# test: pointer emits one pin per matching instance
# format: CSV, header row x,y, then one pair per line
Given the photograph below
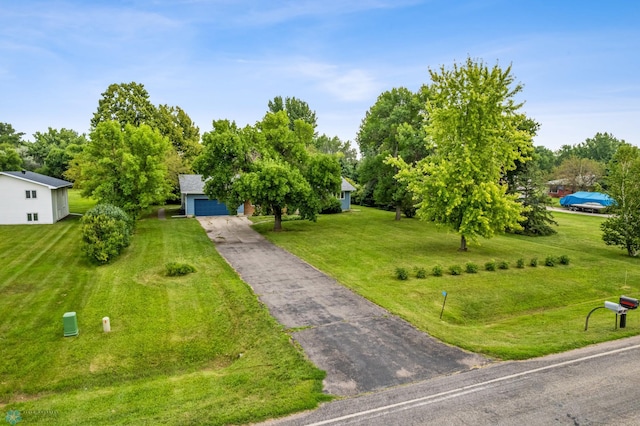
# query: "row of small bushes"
x,y
473,268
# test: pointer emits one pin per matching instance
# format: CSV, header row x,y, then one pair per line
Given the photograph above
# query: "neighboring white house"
x,y
30,198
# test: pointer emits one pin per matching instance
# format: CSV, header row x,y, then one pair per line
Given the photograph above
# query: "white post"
x,y
106,325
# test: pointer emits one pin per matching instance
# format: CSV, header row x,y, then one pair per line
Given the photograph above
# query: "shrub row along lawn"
x,y
515,313
196,349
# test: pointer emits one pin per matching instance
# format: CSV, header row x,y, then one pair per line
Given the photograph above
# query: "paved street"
x,y
360,345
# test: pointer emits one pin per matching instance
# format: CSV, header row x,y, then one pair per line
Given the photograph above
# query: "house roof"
x,y
48,181
191,184
346,186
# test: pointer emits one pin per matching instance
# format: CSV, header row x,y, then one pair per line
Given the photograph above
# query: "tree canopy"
x,y
123,167
475,132
269,164
125,103
393,127
10,160
296,109
623,228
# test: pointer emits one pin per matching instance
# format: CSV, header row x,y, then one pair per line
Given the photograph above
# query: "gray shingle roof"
x,y
346,186
51,182
191,184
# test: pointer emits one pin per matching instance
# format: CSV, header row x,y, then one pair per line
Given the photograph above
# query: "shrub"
x,y
178,269
490,266
437,271
520,263
421,273
331,206
550,261
455,270
564,259
503,264
402,274
106,231
534,262
471,268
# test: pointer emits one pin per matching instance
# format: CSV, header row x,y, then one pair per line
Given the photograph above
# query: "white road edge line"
x,y
466,389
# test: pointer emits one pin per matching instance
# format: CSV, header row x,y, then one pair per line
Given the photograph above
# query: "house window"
x,y
30,194
32,217
342,195
35,217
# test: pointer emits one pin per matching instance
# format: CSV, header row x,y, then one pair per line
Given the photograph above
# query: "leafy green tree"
x,y
296,109
580,174
53,150
545,159
124,167
9,136
347,156
106,231
393,127
125,103
475,131
623,228
269,164
10,160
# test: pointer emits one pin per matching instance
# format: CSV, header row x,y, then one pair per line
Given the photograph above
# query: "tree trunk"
x,y
463,243
277,212
398,212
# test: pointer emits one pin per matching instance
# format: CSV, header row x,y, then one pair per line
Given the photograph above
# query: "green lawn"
x,y
509,314
198,349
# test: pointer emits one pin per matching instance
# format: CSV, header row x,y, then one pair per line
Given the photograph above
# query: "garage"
x,y
205,207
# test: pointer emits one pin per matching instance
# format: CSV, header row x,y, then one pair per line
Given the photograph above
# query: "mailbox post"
x,y
627,303
624,304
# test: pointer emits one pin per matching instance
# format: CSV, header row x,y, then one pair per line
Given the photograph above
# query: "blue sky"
x,y
579,61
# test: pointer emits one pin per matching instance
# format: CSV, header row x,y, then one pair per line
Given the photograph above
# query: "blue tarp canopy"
x,y
586,197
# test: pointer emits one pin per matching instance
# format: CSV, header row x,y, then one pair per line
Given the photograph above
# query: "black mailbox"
x,y
628,302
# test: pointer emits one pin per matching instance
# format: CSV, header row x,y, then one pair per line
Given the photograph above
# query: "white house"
x,y
32,198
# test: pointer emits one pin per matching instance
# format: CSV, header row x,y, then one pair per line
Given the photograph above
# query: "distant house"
x,y
195,202
345,194
30,198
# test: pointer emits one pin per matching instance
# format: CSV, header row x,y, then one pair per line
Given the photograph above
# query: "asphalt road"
x,y
598,385
361,346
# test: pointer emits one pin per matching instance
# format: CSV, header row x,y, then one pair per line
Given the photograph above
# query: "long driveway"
x,y
361,346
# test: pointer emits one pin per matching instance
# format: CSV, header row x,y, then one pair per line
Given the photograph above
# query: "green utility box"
x,y
70,324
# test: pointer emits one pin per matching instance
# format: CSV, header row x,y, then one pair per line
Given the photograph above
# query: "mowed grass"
x,y
197,349
508,314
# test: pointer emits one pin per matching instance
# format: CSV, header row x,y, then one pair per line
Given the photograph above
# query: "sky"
x,y
578,60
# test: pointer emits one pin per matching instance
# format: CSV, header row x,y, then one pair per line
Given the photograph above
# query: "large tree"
x,y
125,103
623,227
269,164
9,136
124,167
393,127
296,109
52,151
475,132
580,174
10,160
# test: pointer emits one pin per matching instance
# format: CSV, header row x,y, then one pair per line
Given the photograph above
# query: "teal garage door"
x,y
210,208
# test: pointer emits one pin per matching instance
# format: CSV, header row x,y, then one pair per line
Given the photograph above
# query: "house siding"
x,y
16,206
346,200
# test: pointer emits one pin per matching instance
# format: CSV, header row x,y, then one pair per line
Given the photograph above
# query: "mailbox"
x,y
618,309
628,302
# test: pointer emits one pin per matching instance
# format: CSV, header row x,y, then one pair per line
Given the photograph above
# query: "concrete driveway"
x,y
361,346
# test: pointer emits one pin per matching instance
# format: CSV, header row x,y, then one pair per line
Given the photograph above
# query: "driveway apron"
x,y
361,346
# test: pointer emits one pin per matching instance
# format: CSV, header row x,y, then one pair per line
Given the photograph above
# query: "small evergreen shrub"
x,y
437,271
106,231
564,259
402,274
421,273
520,263
550,261
490,266
175,269
503,264
471,268
455,270
534,262
331,206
